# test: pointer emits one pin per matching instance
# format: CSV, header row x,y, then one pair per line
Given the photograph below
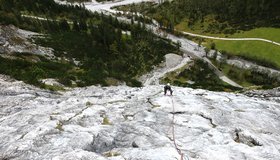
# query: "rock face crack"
x,y
177,112
79,113
88,106
151,103
210,120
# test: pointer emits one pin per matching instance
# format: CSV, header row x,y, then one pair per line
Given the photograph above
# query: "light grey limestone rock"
x,y
103,123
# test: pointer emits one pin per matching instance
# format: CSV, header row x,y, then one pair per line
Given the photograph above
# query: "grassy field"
x,y
261,51
204,29
266,33
266,53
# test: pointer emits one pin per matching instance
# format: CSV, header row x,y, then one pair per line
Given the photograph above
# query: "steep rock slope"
x,y
121,123
15,40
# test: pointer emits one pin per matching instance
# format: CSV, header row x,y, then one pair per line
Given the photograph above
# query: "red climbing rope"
x,y
173,133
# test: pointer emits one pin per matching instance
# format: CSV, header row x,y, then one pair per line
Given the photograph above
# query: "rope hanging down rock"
x,y
183,157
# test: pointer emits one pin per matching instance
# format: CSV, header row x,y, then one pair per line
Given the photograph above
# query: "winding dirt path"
x,y
230,39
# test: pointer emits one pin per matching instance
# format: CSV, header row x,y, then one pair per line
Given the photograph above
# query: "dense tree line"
x,y
96,40
239,13
11,10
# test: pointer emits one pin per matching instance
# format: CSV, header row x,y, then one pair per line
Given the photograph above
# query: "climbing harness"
x,y
183,157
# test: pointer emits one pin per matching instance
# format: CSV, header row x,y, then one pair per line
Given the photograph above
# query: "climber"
x,y
167,88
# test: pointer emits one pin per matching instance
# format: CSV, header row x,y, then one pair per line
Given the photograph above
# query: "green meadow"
x,y
265,53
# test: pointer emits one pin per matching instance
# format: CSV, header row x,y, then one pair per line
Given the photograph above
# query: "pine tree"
x,y
76,26
64,26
